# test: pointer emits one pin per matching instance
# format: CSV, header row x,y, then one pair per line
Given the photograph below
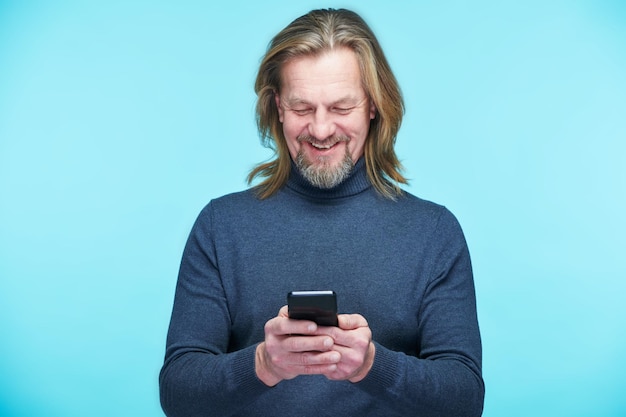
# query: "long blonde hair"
x,y
311,34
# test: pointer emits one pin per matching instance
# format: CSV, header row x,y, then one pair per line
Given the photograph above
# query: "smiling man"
x,y
325,114
328,213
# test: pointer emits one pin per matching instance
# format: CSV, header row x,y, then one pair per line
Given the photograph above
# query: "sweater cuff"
x,y
244,374
385,372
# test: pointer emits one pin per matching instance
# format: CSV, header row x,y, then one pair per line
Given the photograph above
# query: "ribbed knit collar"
x,y
356,182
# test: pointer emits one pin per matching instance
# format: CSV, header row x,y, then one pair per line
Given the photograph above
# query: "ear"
x,y
372,110
278,106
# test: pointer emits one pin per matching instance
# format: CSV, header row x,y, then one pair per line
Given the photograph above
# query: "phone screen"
x,y
317,306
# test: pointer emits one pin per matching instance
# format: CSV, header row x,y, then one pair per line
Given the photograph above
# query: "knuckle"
x,y
309,370
304,359
334,332
294,344
276,361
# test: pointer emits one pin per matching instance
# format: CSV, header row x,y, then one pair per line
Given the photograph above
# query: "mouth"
x,y
323,145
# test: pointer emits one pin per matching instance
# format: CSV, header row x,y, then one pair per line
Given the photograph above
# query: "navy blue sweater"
x,y
403,265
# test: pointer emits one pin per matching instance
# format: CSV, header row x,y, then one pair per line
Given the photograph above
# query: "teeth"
x,y
320,146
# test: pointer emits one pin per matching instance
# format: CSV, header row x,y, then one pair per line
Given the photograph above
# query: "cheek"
x,y
289,129
293,148
359,134
357,149
291,132
291,125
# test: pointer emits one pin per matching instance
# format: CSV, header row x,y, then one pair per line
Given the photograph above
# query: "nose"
x,y
322,125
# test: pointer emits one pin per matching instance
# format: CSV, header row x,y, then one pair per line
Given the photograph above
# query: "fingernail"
x,y
328,342
311,327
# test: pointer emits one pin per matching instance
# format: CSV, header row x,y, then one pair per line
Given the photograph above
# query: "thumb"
x,y
351,321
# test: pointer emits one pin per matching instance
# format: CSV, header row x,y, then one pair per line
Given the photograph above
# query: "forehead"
x,y
331,75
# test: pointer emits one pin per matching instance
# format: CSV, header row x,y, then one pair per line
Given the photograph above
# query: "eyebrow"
x,y
348,100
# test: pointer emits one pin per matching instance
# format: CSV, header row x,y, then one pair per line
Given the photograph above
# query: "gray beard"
x,y
323,175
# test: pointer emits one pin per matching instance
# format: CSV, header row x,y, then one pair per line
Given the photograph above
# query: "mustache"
x,y
331,140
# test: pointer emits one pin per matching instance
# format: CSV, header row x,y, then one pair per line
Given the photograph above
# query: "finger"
x,y
354,365
313,359
350,358
308,343
319,370
282,326
351,321
307,363
357,338
310,328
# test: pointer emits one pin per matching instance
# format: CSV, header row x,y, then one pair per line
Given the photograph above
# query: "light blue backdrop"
x,y
120,120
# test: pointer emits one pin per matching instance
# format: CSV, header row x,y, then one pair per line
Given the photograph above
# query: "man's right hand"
x,y
291,349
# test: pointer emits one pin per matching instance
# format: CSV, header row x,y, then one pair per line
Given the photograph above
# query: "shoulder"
x,y
435,215
240,207
240,199
422,207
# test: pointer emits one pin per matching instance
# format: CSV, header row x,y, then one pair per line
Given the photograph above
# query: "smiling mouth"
x,y
324,144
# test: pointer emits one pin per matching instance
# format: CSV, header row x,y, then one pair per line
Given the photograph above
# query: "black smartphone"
x,y
317,306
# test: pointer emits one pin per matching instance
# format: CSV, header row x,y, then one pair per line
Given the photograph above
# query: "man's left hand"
x,y
353,340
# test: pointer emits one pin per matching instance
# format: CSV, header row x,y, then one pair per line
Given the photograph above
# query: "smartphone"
x,y
317,306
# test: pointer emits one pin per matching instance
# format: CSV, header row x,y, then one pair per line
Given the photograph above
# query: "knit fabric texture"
x,y
403,264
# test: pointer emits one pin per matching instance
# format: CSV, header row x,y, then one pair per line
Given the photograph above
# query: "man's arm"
x,y
198,377
445,378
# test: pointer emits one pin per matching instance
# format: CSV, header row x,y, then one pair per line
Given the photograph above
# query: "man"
x,y
329,214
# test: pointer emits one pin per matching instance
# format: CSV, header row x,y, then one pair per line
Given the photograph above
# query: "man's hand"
x,y
292,348
353,340
300,347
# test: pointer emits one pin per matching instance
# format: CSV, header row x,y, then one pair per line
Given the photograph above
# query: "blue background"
x,y
120,120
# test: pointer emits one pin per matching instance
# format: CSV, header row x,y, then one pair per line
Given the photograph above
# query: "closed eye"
x,y
342,110
302,112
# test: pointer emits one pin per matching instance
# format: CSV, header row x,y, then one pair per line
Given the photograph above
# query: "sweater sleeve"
x,y
445,378
199,376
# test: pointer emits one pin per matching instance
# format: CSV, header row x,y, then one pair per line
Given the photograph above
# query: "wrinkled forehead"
x,y
334,74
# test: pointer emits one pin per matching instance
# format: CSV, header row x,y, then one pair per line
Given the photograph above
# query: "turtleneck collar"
x,y
356,182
